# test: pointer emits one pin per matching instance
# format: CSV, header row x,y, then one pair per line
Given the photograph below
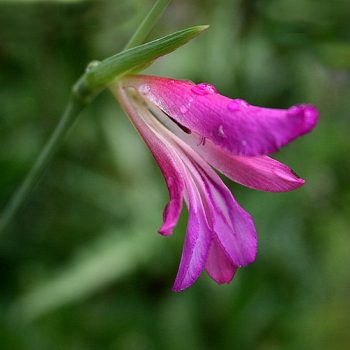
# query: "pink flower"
x,y
190,128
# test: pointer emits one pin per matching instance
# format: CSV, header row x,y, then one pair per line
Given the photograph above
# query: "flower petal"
x,y
218,265
199,234
195,249
165,159
233,226
260,173
173,209
213,212
214,215
235,125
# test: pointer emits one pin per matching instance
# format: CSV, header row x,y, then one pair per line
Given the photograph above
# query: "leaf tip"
x,y
203,27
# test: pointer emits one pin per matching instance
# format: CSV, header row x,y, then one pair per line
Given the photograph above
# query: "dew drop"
x,y
237,105
92,65
203,89
170,181
144,89
183,109
310,112
244,143
221,131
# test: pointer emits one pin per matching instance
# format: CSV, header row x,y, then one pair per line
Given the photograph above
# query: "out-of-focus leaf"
x,y
110,258
335,54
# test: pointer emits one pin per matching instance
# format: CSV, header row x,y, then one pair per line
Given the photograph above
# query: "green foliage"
x,y
83,268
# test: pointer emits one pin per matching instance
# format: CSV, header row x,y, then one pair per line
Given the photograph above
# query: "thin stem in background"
x,y
75,105
69,116
147,24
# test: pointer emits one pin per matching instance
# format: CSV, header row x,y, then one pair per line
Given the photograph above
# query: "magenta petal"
x,y
218,265
234,125
213,215
187,127
260,173
173,209
233,226
165,159
195,249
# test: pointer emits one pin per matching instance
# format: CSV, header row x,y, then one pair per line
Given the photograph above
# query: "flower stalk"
x,y
69,116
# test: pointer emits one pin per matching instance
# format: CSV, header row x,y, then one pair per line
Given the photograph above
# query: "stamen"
x,y
183,128
154,110
202,141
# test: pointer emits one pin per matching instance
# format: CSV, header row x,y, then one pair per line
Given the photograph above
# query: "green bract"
x,y
100,75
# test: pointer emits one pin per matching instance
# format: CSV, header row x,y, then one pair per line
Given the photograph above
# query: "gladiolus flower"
x,y
189,128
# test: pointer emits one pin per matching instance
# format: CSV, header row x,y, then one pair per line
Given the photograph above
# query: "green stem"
x,y
68,118
82,95
147,24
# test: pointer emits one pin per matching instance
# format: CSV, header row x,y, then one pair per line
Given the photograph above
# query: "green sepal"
x,y
99,76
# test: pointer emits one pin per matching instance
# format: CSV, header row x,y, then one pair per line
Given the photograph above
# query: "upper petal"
x,y
235,125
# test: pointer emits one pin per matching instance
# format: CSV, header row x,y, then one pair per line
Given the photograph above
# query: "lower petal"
x,y
234,228
173,209
218,265
195,251
260,173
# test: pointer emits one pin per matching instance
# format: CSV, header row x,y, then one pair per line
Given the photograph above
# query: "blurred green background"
x,y
82,266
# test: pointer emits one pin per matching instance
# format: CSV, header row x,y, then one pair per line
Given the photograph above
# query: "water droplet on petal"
x,y
244,143
183,109
310,112
203,89
144,89
237,105
221,131
170,181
